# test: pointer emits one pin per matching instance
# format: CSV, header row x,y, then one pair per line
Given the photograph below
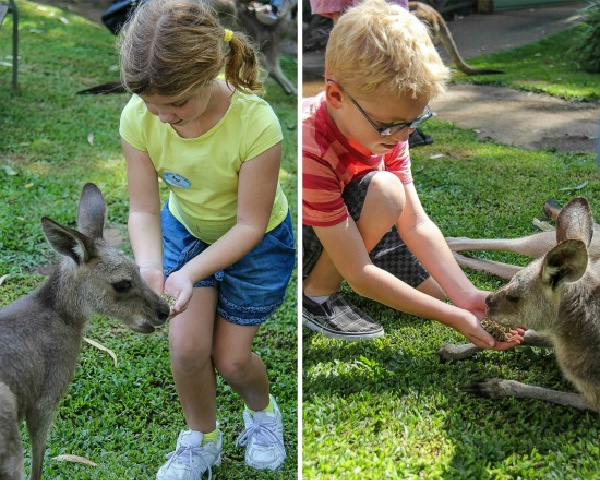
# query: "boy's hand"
x,y
474,302
472,330
180,286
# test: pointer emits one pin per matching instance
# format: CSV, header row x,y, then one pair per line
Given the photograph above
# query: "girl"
x,y
226,229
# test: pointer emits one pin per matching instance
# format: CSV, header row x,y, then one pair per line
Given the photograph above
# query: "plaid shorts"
x,y
390,254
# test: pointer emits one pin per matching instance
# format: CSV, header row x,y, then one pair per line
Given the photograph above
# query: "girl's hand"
x,y
180,286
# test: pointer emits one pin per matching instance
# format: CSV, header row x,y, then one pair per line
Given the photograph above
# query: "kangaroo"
x,y
535,246
558,296
440,31
41,333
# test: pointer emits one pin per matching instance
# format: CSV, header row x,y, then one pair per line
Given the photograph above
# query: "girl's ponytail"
x,y
242,65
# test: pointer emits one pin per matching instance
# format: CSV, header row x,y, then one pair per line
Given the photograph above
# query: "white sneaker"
x,y
191,459
263,438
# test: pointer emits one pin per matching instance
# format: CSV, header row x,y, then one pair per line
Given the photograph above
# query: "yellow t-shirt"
x,y
202,173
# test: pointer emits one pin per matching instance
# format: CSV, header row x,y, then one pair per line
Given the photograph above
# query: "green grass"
x,y
124,417
546,66
389,408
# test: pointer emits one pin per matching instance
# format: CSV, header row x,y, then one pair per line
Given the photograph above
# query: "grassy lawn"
x,y
389,409
125,418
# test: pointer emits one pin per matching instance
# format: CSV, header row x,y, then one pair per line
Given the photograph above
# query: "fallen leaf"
x,y
29,186
8,170
542,225
577,187
102,348
73,458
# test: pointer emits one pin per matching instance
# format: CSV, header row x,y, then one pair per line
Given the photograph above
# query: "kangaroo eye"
x,y
512,299
122,286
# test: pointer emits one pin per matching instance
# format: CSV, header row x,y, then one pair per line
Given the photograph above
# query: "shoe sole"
x,y
217,463
359,336
265,466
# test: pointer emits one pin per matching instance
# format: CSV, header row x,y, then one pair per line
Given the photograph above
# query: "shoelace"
x,y
263,432
192,450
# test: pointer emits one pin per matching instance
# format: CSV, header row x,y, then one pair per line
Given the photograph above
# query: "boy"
x,y
363,220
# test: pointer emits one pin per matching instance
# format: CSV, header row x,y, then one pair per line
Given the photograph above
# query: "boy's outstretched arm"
x,y
427,243
344,245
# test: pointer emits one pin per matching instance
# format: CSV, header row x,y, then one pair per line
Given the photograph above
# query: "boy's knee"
x,y
387,192
432,288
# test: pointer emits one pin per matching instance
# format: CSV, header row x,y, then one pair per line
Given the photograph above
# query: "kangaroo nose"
x,y
163,311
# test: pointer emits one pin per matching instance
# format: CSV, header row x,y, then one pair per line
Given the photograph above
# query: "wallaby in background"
x,y
438,30
558,296
267,37
41,333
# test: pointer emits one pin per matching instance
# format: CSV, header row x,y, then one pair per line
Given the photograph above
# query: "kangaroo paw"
x,y
456,352
492,388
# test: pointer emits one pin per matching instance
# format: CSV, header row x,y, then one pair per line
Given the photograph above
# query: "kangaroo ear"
x,y
68,242
91,214
567,262
575,221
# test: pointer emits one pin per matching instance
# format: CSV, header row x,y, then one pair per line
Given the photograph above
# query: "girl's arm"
x,y
256,193
144,216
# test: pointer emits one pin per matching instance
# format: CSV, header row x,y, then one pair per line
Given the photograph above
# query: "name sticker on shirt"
x,y
177,180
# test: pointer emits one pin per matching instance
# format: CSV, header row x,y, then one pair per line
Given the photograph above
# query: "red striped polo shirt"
x,y
329,163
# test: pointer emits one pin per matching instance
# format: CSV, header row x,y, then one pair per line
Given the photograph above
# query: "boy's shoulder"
x,y
318,129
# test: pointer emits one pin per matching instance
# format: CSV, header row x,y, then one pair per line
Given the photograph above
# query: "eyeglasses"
x,y
386,130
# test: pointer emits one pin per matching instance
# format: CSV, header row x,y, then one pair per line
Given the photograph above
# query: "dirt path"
x,y
522,119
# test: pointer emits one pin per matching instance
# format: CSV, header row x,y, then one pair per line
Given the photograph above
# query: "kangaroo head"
x,y
533,296
98,277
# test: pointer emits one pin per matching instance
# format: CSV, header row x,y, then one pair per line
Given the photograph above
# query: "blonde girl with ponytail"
x,y
222,245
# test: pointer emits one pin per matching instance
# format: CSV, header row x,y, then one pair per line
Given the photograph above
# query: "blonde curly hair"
x,y
173,47
377,43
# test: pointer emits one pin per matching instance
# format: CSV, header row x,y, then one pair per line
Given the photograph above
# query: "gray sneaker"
x,y
191,459
338,318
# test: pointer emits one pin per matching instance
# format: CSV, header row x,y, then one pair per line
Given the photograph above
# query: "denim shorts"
x,y
391,254
251,289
